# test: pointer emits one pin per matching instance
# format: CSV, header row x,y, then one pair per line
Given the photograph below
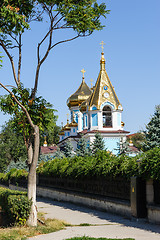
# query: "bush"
x,y
150,164
16,206
17,165
102,164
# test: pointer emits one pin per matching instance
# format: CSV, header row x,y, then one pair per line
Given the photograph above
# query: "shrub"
x,y
16,206
102,164
150,164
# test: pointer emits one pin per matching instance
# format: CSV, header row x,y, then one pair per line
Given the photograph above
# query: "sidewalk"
x,y
105,224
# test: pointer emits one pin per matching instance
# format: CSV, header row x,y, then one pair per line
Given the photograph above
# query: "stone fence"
x,y
135,198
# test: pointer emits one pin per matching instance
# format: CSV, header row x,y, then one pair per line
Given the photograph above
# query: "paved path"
x,y
106,225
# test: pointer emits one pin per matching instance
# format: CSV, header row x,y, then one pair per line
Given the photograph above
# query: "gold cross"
x,y
83,71
67,116
102,43
91,83
73,116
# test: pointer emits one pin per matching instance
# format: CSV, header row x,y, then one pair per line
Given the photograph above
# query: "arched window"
x,y
107,116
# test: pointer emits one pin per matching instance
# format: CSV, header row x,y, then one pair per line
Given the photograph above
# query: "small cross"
x,y
102,43
73,116
83,71
67,116
91,83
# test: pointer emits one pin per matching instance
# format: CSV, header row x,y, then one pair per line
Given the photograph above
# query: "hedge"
x,y
145,165
100,165
16,206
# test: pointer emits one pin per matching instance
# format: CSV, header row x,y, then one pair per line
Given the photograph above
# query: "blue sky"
x,y
132,54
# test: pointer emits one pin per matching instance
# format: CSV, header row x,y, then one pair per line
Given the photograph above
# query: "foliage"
x,y
13,15
153,131
51,130
12,148
100,165
13,153
122,147
19,165
138,140
82,148
98,143
67,149
16,205
39,110
47,157
150,164
146,165
0,61
13,175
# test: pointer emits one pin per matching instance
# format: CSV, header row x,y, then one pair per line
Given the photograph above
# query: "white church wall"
x,y
80,122
116,120
111,144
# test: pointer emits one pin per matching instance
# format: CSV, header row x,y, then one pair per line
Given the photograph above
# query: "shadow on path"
x,y
128,222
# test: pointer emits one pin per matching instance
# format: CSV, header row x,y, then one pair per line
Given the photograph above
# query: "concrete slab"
x,y
106,224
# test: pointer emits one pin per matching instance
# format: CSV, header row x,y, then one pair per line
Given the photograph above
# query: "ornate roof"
x,y
103,90
73,124
80,95
67,127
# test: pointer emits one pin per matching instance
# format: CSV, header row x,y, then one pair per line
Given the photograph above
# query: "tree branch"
x,y
13,38
41,61
19,104
20,57
11,60
67,40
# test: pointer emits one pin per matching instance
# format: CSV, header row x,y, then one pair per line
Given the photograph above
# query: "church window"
x,y
94,108
85,121
94,120
107,116
74,130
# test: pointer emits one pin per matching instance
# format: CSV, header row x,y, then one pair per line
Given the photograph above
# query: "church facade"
x,y
95,109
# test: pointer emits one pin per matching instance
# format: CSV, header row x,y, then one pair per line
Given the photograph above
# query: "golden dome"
x,y
80,95
122,124
62,132
67,127
73,124
83,106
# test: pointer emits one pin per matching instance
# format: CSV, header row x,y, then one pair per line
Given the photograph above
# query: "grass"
x,y
90,238
22,233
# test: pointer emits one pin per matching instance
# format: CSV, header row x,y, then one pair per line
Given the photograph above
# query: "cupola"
x,y
80,95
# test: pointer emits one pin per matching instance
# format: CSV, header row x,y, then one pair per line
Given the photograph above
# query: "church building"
x,y
95,109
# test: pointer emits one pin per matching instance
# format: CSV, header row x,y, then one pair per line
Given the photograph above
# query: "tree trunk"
x,y
32,221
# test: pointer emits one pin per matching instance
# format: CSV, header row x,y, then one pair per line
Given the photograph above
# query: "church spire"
x,y
83,71
103,91
82,93
102,61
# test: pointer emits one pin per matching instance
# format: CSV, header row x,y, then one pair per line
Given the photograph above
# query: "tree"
x,y
51,131
98,143
152,133
12,147
82,148
138,139
81,17
67,149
